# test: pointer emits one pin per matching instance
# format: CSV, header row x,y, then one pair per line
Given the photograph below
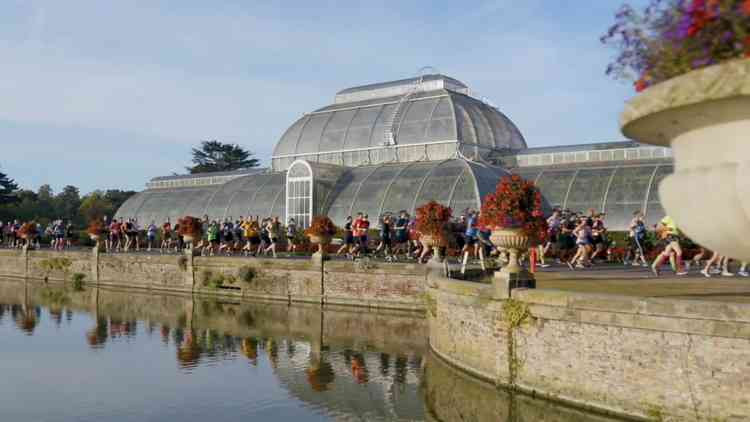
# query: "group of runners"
x,y
57,235
578,240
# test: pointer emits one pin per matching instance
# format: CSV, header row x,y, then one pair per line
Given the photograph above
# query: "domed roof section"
x,y
398,114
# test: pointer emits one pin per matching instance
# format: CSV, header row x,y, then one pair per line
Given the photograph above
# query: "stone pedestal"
x,y
504,282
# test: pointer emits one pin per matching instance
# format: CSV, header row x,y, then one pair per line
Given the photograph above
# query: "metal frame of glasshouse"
x,y
392,146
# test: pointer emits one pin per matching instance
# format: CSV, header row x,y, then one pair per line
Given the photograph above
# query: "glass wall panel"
x,y
333,135
438,184
264,198
413,125
312,132
340,199
442,125
627,194
464,194
404,189
378,133
371,194
466,132
588,188
288,141
360,127
243,198
554,186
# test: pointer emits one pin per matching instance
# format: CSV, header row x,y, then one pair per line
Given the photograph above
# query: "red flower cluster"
x,y
516,203
746,7
432,217
27,229
96,228
190,226
321,226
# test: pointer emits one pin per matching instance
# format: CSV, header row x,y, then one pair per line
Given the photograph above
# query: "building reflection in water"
x,y
348,369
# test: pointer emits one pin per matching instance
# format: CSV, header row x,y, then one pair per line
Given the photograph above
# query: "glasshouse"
x,y
393,146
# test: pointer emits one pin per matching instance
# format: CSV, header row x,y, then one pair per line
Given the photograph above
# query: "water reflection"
x,y
271,361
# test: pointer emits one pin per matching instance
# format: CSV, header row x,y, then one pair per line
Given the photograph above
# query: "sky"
x,y
107,95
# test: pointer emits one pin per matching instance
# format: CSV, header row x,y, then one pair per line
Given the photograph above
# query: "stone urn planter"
x,y
433,242
704,116
515,242
512,275
322,242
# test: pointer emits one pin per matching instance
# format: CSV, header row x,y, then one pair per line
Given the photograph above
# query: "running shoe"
x,y
655,271
570,265
743,274
705,273
714,271
543,265
681,273
727,274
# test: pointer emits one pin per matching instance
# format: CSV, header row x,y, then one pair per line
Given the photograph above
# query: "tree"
x,y
213,156
118,197
8,190
68,202
95,206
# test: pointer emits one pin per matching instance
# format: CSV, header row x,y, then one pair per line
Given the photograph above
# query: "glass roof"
x,y
427,117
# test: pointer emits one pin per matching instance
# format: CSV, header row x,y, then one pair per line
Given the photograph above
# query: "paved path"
x,y
636,281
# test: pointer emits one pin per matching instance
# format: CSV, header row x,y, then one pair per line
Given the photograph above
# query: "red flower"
x,y
746,7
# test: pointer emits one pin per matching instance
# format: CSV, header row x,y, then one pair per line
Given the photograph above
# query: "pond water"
x,y
115,355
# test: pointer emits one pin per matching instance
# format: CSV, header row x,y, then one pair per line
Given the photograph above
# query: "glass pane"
x,y
554,185
588,190
627,194
439,183
371,194
333,136
360,128
404,189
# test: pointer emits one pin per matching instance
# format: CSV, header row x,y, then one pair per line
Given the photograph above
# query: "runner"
x,y
166,236
291,236
151,235
637,236
348,238
670,233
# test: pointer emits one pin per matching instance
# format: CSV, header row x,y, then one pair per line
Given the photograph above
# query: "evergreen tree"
x,y
214,156
8,190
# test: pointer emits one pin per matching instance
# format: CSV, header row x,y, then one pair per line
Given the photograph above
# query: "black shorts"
x,y
349,239
401,237
255,241
470,241
363,241
386,240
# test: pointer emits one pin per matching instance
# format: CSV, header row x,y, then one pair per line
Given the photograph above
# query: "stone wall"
x,y
659,359
376,285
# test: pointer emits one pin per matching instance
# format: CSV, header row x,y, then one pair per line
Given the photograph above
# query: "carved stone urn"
x,y
322,242
704,116
512,275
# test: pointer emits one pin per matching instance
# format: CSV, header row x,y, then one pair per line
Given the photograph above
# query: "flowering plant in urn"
x,y
514,214
320,232
95,229
27,231
432,218
190,228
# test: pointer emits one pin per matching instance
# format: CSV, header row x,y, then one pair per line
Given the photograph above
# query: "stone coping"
x,y
725,82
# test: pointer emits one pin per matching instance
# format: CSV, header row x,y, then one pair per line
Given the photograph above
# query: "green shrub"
x,y
247,273
217,280
78,281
